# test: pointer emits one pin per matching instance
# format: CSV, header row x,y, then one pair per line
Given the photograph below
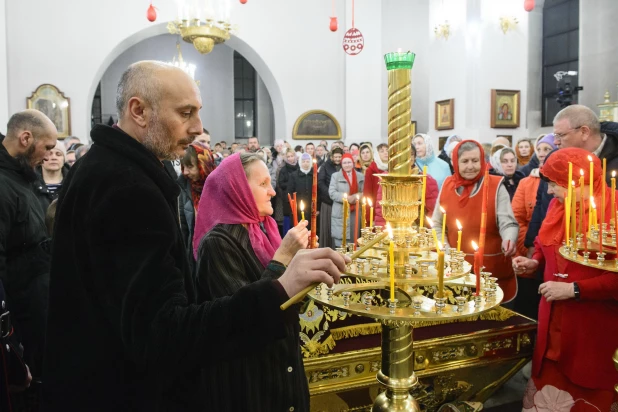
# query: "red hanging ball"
x,y
151,14
529,5
243,1
333,24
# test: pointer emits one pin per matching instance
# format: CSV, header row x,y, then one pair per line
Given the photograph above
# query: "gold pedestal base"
x,y
399,402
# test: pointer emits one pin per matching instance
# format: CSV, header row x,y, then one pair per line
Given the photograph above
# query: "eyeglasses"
x,y
561,135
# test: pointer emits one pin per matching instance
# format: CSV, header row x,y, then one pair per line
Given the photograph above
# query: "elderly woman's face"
x,y
347,165
470,164
421,147
558,192
262,190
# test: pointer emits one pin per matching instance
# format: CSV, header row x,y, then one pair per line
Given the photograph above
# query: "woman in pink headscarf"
x,y
237,242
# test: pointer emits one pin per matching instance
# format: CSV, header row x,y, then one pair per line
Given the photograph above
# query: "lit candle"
x,y
477,267
370,212
567,218
443,222
421,220
458,235
569,191
613,201
391,259
344,241
483,224
433,232
314,207
593,211
573,213
364,214
604,189
591,192
582,229
440,271
302,210
356,212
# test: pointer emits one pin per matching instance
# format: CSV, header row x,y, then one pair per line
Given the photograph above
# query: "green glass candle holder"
x,y
399,60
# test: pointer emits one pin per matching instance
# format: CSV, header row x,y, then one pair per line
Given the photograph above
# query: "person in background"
x,y
356,157
301,183
527,299
487,152
321,155
218,154
425,156
287,145
197,164
346,181
298,150
223,144
354,146
70,158
283,181
310,149
70,141
500,141
366,157
346,149
325,144
578,311
504,164
524,152
253,145
379,165
50,175
461,198
233,147
204,139
450,144
263,155
330,167
81,151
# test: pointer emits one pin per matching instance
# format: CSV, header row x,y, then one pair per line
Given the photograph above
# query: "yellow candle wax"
x,y
391,260
364,213
440,272
302,210
590,188
370,212
567,219
344,241
604,187
458,235
443,222
569,194
573,213
581,203
433,232
612,218
421,220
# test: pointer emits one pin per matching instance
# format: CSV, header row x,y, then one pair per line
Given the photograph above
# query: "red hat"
x,y
347,156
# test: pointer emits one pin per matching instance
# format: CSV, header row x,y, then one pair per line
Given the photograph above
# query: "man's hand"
x,y
296,239
557,291
523,265
313,266
13,388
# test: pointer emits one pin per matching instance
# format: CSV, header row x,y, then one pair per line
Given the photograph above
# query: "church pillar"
x,y
4,83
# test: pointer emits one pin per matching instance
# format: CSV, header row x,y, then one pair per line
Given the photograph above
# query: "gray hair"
x,y
578,116
138,81
81,151
467,147
247,159
25,120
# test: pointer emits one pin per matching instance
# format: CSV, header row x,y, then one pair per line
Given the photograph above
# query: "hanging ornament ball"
x,y
333,24
151,14
353,42
243,1
529,5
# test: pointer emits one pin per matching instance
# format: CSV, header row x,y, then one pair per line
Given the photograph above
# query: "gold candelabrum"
x,y
416,283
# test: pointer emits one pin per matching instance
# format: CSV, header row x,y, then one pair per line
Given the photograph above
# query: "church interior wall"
x,y
4,91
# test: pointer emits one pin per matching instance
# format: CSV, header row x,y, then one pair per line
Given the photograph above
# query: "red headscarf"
x,y
556,170
205,165
354,183
459,180
230,201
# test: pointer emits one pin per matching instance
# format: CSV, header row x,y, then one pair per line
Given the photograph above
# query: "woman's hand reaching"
x,y
523,265
296,239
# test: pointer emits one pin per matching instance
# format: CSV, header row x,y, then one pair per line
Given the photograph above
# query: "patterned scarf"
x,y
205,165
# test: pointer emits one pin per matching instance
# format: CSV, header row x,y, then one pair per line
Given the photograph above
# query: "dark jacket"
x,y
302,184
41,191
510,183
282,186
186,214
124,331
326,172
528,168
610,149
447,159
24,255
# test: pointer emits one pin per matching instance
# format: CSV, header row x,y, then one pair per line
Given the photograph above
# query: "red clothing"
x,y
370,190
580,336
431,197
470,218
523,206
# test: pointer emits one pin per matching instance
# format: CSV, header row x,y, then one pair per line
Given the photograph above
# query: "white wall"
x,y
265,116
598,51
4,86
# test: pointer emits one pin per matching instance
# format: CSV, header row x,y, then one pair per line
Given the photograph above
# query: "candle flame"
x,y
442,210
439,245
590,158
364,200
429,221
315,161
614,173
581,172
573,183
302,206
475,246
592,203
458,224
369,202
345,196
389,229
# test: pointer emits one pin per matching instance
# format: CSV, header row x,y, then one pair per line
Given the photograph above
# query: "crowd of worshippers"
x,y
143,253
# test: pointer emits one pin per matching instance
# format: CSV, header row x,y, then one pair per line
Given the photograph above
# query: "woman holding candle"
x,y
283,180
461,196
351,182
578,312
241,245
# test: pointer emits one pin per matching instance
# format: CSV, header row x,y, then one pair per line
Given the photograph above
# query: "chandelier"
x,y
204,23
178,61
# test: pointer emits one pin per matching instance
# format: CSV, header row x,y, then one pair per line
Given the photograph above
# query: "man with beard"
x,y
124,330
253,145
24,248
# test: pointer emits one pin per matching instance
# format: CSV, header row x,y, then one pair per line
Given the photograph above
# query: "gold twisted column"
x,y
399,117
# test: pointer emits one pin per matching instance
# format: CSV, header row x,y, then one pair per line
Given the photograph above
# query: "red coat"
x,y
370,189
431,197
581,336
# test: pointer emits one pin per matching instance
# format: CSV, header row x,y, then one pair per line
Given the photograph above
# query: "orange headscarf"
x,y
555,170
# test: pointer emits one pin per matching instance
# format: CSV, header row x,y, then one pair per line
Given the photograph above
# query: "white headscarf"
x,y
429,152
381,165
495,162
